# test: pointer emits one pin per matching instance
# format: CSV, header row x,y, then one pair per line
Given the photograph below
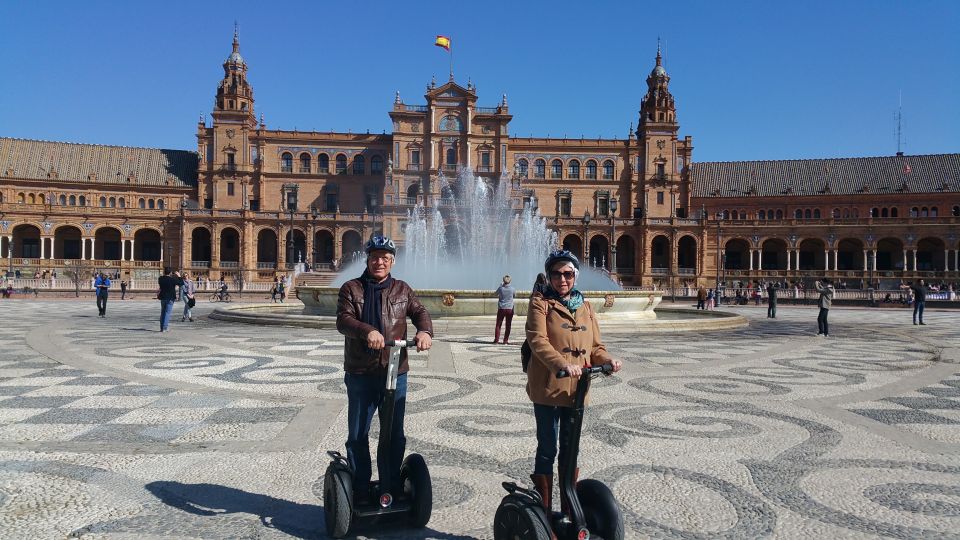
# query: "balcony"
x,y
450,167
687,271
413,166
487,110
659,271
229,264
323,170
286,168
485,169
266,265
200,264
408,201
416,108
304,170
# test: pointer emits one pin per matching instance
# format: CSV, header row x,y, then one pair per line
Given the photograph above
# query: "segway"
x,y
592,510
414,502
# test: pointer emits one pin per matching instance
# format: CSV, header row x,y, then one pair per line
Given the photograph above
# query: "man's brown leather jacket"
x,y
399,302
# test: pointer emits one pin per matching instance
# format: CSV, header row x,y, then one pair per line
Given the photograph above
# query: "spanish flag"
x,y
443,41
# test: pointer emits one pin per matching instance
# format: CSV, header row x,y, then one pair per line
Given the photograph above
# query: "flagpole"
x,y
451,62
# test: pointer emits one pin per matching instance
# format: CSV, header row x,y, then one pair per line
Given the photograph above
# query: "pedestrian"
x,y
281,288
701,298
825,288
187,294
123,290
167,295
564,335
273,290
102,285
772,300
711,299
919,290
504,310
756,295
371,309
539,285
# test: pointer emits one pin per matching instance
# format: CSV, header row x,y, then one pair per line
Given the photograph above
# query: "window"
x,y
305,163
591,170
103,202
142,203
539,168
451,156
608,170
341,163
63,200
836,213
846,213
924,212
914,212
21,198
726,214
286,162
603,206
573,169
743,215
123,202
884,212
323,163
798,214
956,210
113,202
659,197
934,211
556,169
230,189
207,203
415,158
376,165
874,212
484,159
523,168
231,162
660,171
762,215
83,201
807,214
565,205
330,202
816,213
893,212
359,164
150,204
779,214
254,205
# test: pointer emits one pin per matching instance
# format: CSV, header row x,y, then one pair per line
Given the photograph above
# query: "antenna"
x,y
899,118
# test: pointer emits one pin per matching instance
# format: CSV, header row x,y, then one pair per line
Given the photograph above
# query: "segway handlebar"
x,y
400,343
606,369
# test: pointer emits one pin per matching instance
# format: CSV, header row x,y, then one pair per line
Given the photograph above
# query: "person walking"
x,y
123,290
772,300
505,295
167,295
102,285
825,288
563,333
919,290
711,299
273,290
188,296
701,298
371,309
282,288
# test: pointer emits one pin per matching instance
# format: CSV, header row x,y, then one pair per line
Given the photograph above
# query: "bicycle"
x,y
218,297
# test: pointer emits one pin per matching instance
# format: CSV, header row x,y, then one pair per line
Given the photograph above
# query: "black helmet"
x,y
560,255
378,242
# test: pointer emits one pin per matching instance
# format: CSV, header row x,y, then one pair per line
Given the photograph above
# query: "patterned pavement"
x,y
109,429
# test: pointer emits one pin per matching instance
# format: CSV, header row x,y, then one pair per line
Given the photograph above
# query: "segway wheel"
x,y
337,500
415,478
601,510
520,518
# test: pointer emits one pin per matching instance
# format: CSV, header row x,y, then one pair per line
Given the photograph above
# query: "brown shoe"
x,y
543,483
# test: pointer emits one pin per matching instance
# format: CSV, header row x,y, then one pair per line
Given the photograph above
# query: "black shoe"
x,y
914,323
923,323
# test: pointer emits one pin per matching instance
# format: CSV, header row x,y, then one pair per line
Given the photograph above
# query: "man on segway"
x,y
372,309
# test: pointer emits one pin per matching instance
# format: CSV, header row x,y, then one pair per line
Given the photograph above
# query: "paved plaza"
x,y
109,429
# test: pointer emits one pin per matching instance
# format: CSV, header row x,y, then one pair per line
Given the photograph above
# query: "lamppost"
x,y
290,196
721,258
586,236
613,239
870,265
314,213
10,256
373,215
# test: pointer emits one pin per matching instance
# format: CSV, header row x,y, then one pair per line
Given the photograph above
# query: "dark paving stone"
x,y
190,402
252,416
95,381
942,392
133,433
894,416
925,403
137,390
16,390
77,416
60,372
37,402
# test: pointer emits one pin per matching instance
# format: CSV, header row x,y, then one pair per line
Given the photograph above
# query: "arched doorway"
x,y
26,242
299,246
889,254
266,247
147,245
66,243
773,254
930,255
573,244
687,256
812,256
850,254
737,254
323,247
351,243
660,254
230,246
200,247
107,244
599,252
626,254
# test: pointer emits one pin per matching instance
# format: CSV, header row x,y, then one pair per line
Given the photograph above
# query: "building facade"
x,y
250,201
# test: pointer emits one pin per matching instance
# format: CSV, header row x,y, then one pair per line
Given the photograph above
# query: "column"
x,y
826,259
751,259
133,249
789,258
123,249
759,259
904,260
914,260
946,260
873,264
215,246
161,251
956,260
83,249
10,246
836,259
865,267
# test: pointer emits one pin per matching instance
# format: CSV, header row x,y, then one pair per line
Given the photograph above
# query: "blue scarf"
x,y
572,303
372,305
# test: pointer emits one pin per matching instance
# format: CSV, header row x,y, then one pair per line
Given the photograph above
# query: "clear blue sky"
x,y
752,80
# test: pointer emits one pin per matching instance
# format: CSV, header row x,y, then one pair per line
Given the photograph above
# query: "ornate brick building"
x,y
638,206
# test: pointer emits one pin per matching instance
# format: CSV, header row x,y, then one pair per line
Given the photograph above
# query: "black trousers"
x,y
822,326
701,304
102,302
772,310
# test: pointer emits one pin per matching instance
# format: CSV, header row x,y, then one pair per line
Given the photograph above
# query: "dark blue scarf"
x,y
372,305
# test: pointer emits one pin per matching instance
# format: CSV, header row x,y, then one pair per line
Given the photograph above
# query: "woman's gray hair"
x,y
561,264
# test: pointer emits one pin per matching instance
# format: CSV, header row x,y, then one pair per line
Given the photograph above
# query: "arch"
x,y
933,210
200,246
147,245
103,202
413,191
836,213
359,164
323,247
160,204
323,163
142,203
351,243
574,244
846,213
556,169
762,215
21,198
798,214
230,245
106,244
286,162
26,241
341,163
123,202
573,169
850,254
267,246
884,212
450,123
150,204
660,255
599,251
779,214
66,242
816,213
773,254
736,254
807,214
63,200
956,210
539,168
523,167
915,212
113,202
893,212
591,169
726,214
890,254
812,256
31,198
608,170
299,246
82,201
930,255
305,164
626,254
687,255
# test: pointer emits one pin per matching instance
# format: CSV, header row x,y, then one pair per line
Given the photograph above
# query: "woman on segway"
x,y
564,335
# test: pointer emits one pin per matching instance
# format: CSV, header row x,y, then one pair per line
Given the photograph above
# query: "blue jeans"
x,y
552,422
166,308
365,393
918,306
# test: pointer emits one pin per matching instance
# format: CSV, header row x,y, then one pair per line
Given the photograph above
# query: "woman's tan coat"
x,y
558,339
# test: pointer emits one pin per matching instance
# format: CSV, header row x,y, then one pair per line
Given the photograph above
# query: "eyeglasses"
x,y
380,258
568,275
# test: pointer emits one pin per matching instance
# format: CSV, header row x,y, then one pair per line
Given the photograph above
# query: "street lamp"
x,y
373,214
314,213
586,236
870,265
290,196
613,240
721,257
